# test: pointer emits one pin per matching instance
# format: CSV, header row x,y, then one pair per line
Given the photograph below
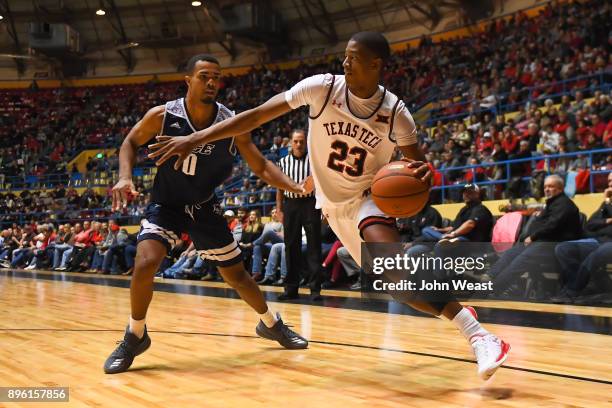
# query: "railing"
x,y
106,214
604,83
96,178
507,164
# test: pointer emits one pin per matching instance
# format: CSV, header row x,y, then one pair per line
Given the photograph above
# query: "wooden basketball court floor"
x,y
57,329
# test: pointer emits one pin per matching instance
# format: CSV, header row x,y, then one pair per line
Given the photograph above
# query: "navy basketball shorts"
x,y
203,222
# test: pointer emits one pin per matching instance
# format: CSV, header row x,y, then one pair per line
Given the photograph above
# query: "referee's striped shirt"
x,y
297,170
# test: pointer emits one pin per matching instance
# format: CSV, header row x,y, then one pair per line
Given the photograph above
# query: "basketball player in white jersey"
x,y
355,125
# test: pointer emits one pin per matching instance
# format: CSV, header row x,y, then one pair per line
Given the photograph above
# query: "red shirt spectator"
x,y
84,238
510,143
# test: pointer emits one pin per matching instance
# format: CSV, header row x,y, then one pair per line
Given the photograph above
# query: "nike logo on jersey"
x,y
352,130
175,125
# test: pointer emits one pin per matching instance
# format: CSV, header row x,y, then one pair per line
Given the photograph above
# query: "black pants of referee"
x,y
298,213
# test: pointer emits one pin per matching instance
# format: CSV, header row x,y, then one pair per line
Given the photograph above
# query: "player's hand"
x,y
168,146
528,241
121,193
422,171
307,185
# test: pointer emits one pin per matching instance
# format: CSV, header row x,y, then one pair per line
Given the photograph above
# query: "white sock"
x,y
468,325
268,318
137,327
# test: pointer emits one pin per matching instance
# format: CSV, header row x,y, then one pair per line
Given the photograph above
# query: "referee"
x,y
299,211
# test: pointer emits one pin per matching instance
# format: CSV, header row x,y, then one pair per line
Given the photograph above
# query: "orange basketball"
x,y
397,192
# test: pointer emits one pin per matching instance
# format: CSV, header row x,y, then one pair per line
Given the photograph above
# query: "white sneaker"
x,y
30,267
490,352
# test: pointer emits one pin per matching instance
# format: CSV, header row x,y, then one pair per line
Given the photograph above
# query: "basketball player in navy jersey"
x,y
355,125
183,200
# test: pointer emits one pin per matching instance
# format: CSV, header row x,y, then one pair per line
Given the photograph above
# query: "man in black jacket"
x,y
581,260
559,221
411,228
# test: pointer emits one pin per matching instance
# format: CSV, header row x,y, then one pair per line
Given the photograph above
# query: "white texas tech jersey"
x,y
349,139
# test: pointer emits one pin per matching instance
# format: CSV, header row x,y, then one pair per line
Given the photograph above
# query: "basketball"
x,y
397,192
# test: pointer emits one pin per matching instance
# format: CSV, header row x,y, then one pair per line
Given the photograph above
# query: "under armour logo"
x,y
382,118
175,125
338,104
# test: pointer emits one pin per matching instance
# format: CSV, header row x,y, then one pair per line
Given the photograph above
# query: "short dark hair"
x,y
298,130
375,42
199,57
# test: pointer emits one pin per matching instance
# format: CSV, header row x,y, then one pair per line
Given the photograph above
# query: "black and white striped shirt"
x,y
297,170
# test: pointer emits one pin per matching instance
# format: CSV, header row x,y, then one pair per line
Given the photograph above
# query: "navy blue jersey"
x,y
204,169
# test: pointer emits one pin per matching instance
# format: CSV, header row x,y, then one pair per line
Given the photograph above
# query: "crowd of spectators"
x,y
42,129
66,204
498,65
549,238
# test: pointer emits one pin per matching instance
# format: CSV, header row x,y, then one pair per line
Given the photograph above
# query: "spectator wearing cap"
x,y
234,224
583,260
559,221
474,223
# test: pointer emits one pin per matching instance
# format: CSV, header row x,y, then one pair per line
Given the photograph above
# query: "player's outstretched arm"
x,y
265,169
149,126
166,147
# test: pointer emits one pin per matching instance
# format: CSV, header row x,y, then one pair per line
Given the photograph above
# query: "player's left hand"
x,y
168,146
422,170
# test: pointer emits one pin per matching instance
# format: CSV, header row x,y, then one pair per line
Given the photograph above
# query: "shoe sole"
x,y
147,345
488,373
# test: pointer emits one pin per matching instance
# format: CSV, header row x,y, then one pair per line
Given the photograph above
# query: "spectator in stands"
x,y
23,253
272,234
252,230
43,247
351,268
109,238
332,262
234,224
559,221
63,250
276,257
186,260
79,260
582,260
116,250
10,242
474,223
411,228
130,253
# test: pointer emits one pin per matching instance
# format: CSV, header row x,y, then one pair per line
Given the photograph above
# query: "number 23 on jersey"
x,y
341,151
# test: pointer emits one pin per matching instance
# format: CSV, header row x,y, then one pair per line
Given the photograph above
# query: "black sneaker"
x,y
121,359
282,333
